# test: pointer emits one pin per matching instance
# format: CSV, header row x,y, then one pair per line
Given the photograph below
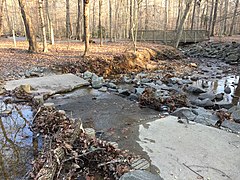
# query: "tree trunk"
x,y
214,18
78,28
100,23
193,14
166,15
225,17
50,24
1,16
234,18
93,19
110,20
68,23
131,19
182,21
211,18
146,15
179,13
28,26
86,26
43,26
203,17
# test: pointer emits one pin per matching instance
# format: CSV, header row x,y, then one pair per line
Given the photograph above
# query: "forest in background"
x,y
65,17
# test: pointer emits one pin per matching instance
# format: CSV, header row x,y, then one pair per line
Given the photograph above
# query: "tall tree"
x,y
78,28
110,19
28,26
100,23
86,26
68,22
131,18
193,14
43,25
234,18
214,17
50,23
182,21
179,13
1,16
166,15
146,15
225,17
93,18
211,18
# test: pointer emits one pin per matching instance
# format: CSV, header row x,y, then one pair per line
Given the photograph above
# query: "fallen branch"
x,y
49,169
193,171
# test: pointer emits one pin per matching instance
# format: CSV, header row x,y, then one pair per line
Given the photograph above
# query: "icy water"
x,y
16,143
218,85
103,111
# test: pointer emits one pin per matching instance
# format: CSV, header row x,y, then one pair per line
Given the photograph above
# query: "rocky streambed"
x,y
205,91
201,95
228,52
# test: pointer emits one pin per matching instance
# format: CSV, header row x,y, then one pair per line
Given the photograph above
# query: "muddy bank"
x,y
16,63
145,58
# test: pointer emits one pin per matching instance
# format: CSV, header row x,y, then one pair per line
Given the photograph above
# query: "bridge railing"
x,y
170,36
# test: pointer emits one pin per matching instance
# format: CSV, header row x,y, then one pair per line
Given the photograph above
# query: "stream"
x,y
114,118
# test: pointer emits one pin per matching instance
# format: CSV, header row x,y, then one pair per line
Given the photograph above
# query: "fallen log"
x,y
49,169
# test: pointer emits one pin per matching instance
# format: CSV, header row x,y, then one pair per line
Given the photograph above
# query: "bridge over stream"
x,y
168,37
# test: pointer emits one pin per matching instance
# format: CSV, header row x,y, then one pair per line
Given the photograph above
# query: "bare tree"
x,y
100,23
146,14
28,26
182,21
93,18
135,23
214,17
193,14
166,15
211,17
179,13
110,19
225,17
68,22
86,26
78,28
1,16
50,23
43,26
234,18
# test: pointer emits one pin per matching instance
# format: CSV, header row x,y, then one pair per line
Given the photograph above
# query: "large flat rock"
x,y
50,84
190,151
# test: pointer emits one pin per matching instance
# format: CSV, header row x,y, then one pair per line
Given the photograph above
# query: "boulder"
x,y
139,91
97,82
194,89
203,103
124,92
185,113
203,96
224,104
112,85
87,75
236,116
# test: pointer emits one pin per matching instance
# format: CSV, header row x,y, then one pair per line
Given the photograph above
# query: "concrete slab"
x,y
190,151
50,84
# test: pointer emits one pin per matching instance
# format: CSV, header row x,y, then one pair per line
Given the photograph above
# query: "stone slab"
x,y
190,151
50,84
